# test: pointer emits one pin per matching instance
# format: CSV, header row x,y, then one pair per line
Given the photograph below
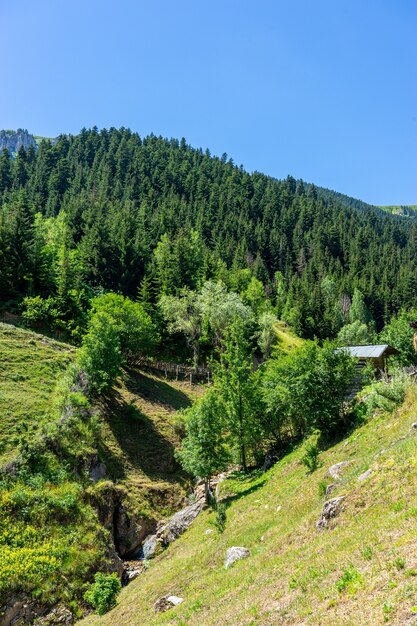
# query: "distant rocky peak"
x,y
12,140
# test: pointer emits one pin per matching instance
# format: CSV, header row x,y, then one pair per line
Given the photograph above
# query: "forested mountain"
x,y
145,216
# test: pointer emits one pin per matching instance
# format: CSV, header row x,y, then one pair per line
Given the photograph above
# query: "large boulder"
x,y
236,553
178,523
331,509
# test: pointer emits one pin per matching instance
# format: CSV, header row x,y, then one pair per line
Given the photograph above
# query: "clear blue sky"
x,y
324,90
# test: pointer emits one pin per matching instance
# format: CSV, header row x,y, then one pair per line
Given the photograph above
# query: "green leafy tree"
x,y
358,310
234,378
205,450
399,334
220,308
136,331
266,335
100,355
305,390
354,334
184,315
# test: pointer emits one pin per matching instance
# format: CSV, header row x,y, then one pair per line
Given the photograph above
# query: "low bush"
x,y
102,593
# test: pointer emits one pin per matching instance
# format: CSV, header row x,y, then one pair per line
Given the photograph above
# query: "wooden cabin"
x,y
374,354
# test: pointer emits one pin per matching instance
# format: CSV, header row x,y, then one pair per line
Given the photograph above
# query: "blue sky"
x,y
324,90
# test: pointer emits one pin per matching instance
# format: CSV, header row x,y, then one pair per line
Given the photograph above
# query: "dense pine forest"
x,y
109,210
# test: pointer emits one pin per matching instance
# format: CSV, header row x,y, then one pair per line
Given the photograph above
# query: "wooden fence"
x,y
172,370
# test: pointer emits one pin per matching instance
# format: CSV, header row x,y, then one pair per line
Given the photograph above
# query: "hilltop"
x,y
361,569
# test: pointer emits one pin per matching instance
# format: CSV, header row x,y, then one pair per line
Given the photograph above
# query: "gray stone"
x,y
178,523
236,553
167,602
330,489
365,475
335,470
97,471
331,509
60,615
132,574
148,547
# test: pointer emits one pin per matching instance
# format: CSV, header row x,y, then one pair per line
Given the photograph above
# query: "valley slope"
x,y
362,569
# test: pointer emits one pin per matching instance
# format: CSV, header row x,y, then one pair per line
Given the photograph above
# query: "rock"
x,y
148,547
132,574
330,488
365,475
19,609
178,523
270,459
208,531
97,470
167,602
330,510
235,553
335,470
130,531
59,615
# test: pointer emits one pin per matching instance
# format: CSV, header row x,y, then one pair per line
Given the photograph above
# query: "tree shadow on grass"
x,y
142,446
155,390
228,500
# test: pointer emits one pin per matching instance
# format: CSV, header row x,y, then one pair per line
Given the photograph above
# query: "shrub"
x,y
311,456
102,593
385,395
220,521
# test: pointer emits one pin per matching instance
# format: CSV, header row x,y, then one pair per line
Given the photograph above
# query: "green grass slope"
x,y
404,210
51,541
30,365
140,433
360,570
287,340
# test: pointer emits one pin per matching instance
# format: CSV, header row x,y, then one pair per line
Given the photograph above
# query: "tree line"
x,y
111,211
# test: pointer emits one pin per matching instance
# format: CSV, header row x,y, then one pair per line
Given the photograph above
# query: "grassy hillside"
x,y
51,541
361,570
30,365
287,340
139,436
409,210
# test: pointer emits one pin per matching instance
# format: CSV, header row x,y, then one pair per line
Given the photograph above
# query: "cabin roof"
x,y
370,351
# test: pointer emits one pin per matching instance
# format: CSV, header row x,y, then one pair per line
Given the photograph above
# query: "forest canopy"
x,y
145,217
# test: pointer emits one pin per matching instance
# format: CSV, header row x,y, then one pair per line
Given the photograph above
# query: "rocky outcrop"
x,y
178,523
19,609
13,140
337,469
58,616
331,509
236,553
127,529
167,532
